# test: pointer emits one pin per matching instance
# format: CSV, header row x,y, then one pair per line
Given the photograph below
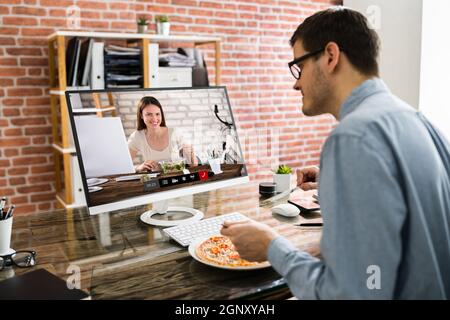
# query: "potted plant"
x,y
162,25
142,24
282,178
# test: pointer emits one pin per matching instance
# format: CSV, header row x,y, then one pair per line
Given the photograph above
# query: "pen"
x,y
10,212
316,224
2,202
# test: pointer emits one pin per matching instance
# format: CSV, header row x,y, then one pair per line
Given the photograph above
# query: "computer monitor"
x,y
141,146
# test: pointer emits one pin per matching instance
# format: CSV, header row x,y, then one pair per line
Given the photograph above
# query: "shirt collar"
x,y
366,89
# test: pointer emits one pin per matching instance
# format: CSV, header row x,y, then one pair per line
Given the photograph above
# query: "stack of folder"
x,y
122,67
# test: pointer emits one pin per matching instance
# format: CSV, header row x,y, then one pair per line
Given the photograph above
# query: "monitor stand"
x,y
161,209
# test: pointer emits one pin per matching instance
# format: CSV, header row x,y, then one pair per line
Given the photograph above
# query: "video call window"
x,y
133,143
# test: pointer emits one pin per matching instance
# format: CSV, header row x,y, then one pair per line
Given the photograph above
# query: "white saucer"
x,y
94,189
95,181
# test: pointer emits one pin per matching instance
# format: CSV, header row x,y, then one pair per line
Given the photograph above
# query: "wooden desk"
x,y
120,257
114,190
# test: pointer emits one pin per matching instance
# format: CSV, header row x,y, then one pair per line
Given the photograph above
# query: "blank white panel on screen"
x,y
103,146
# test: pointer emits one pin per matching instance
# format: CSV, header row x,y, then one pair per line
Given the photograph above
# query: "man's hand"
x,y
307,178
250,238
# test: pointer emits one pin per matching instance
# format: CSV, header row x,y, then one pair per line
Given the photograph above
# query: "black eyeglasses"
x,y
294,64
21,259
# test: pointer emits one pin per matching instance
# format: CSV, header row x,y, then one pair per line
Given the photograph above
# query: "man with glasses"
x,y
384,184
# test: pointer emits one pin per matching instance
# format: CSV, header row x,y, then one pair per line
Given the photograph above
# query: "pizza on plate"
x,y
221,251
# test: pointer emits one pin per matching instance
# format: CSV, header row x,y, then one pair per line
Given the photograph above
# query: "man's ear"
x,y
333,55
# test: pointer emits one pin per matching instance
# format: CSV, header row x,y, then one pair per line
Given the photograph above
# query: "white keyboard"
x,y
186,233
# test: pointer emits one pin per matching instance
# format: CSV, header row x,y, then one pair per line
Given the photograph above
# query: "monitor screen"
x,y
137,146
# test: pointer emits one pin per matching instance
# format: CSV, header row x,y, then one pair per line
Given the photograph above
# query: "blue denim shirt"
x,y
384,190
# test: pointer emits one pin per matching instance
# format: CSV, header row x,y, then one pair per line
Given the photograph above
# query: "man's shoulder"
x,y
377,114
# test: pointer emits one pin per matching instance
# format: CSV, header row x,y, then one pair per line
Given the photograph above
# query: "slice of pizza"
x,y
221,251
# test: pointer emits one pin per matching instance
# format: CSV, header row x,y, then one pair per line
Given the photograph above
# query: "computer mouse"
x,y
286,210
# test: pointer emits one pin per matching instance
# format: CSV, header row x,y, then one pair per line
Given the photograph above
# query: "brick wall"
x,y
255,50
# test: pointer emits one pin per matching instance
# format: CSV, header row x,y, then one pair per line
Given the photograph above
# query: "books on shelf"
x,y
85,62
72,57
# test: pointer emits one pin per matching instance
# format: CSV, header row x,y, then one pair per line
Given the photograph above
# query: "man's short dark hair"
x,y
349,29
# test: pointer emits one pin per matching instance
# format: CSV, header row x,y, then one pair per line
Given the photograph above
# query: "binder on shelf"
x,y
98,68
153,64
72,55
85,62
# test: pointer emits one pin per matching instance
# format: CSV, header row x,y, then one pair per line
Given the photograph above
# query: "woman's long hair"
x,y
145,101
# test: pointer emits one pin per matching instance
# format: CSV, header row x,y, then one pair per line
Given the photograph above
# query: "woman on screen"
x,y
154,140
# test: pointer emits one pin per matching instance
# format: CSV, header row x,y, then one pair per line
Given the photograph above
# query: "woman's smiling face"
x,y
152,117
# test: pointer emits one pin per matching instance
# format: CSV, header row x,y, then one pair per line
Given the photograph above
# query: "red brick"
x,y
12,72
17,181
28,121
4,162
36,111
34,71
118,6
4,10
11,112
36,150
37,31
24,92
20,21
32,42
11,152
109,15
29,160
22,209
57,13
6,83
14,142
93,15
29,11
41,178
43,197
34,189
38,101
56,3
12,132
34,131
7,41
19,199
24,51
189,3
46,206
8,62
7,192
98,5
42,169
33,61
12,102
54,23
18,171
94,24
32,81
39,140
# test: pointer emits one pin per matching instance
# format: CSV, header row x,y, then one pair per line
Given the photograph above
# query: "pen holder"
x,y
5,236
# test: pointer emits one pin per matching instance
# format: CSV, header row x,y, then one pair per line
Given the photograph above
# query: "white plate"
x,y
94,189
193,247
96,181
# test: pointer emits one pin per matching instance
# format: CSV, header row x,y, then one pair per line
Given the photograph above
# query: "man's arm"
x,y
363,211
